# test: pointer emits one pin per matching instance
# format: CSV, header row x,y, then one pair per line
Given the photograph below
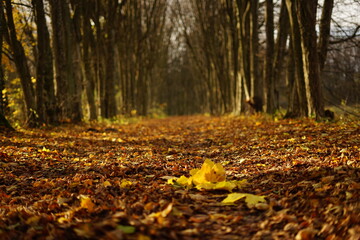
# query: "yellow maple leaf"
x,y
250,199
85,202
209,172
224,185
211,176
240,183
184,181
194,171
125,183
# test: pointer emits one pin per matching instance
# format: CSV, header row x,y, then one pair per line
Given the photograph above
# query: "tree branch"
x,y
347,38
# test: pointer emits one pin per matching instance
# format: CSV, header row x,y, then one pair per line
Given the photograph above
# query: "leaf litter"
x,y
182,178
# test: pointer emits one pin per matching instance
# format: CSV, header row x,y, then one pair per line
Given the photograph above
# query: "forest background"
x,y
76,60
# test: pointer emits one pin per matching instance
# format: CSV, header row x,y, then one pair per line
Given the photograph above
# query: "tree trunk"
x,y
109,107
22,68
298,105
306,12
255,80
325,31
45,91
87,51
4,124
280,48
293,98
268,70
234,33
243,19
68,92
3,104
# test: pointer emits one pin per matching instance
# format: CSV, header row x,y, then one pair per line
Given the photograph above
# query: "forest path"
x,y
110,181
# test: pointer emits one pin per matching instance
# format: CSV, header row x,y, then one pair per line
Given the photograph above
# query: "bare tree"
x,y
2,77
45,90
64,45
269,88
22,66
297,103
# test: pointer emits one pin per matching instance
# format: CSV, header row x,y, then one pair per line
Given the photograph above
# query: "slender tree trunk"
x,y
306,12
4,124
22,68
325,31
234,33
64,45
45,91
73,66
292,90
268,70
299,107
232,57
87,51
109,98
280,48
3,121
2,78
243,16
59,58
255,80
99,58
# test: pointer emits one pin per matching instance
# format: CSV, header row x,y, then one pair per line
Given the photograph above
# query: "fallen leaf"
x,y
85,202
125,183
198,197
250,199
306,234
164,213
33,220
106,184
200,218
327,179
209,172
210,176
184,181
126,229
228,186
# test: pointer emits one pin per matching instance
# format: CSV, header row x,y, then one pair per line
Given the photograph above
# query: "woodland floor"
x,y
110,181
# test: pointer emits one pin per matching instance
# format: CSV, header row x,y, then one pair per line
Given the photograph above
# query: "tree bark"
x,y
280,49
45,91
88,52
64,45
306,12
269,58
4,124
109,107
22,68
2,78
325,32
298,103
255,80
243,19
232,31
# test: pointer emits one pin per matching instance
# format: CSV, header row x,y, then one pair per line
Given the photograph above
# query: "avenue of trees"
x,y
70,60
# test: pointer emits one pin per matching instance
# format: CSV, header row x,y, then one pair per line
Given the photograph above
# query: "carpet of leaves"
x,y
110,181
